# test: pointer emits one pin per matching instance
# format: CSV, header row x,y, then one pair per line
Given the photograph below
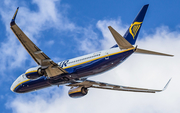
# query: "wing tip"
x,y
165,87
14,17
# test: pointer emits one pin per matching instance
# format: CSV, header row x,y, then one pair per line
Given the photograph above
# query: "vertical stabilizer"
x,y
133,31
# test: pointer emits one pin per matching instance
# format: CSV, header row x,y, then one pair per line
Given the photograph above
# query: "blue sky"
x,y
66,29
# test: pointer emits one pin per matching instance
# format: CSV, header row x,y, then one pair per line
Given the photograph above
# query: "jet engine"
x,y
34,73
76,92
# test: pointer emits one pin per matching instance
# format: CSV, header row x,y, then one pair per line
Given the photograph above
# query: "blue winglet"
x,y
14,17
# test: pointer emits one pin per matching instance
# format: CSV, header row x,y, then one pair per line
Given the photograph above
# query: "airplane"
x,y
74,72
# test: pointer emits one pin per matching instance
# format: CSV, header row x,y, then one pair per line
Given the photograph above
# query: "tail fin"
x,y
130,37
124,44
133,31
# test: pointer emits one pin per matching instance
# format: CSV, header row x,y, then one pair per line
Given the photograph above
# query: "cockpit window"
x,y
23,75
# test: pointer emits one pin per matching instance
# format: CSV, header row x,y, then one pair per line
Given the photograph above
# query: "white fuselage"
x,y
78,61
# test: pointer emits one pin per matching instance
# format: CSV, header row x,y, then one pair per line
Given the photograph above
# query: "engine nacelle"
x,y
76,92
34,73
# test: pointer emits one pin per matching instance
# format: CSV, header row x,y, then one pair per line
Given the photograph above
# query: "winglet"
x,y
14,17
165,87
166,84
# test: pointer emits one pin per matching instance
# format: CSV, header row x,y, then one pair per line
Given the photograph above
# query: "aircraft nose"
x,y
12,88
14,84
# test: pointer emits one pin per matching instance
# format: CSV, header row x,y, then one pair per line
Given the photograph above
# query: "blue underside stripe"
x,y
43,82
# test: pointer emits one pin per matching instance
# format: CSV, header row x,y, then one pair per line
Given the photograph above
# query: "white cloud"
x,y
13,55
49,43
108,40
91,40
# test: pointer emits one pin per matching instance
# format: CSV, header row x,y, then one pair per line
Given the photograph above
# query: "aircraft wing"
x,y
101,85
51,68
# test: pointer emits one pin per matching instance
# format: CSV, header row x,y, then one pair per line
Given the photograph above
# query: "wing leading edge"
x,y
51,68
101,85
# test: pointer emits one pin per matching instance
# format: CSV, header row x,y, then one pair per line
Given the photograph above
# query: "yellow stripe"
x,y
15,13
74,92
99,58
76,65
31,71
21,83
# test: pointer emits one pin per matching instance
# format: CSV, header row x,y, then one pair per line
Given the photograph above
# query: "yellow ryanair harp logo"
x,y
134,28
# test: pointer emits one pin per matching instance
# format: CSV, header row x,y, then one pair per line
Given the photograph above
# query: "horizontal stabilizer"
x,y
121,41
143,51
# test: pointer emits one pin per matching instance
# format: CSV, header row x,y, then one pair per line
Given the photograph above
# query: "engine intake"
x,y
34,73
77,92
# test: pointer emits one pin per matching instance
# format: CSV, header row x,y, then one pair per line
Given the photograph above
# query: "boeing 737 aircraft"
x,y
74,72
